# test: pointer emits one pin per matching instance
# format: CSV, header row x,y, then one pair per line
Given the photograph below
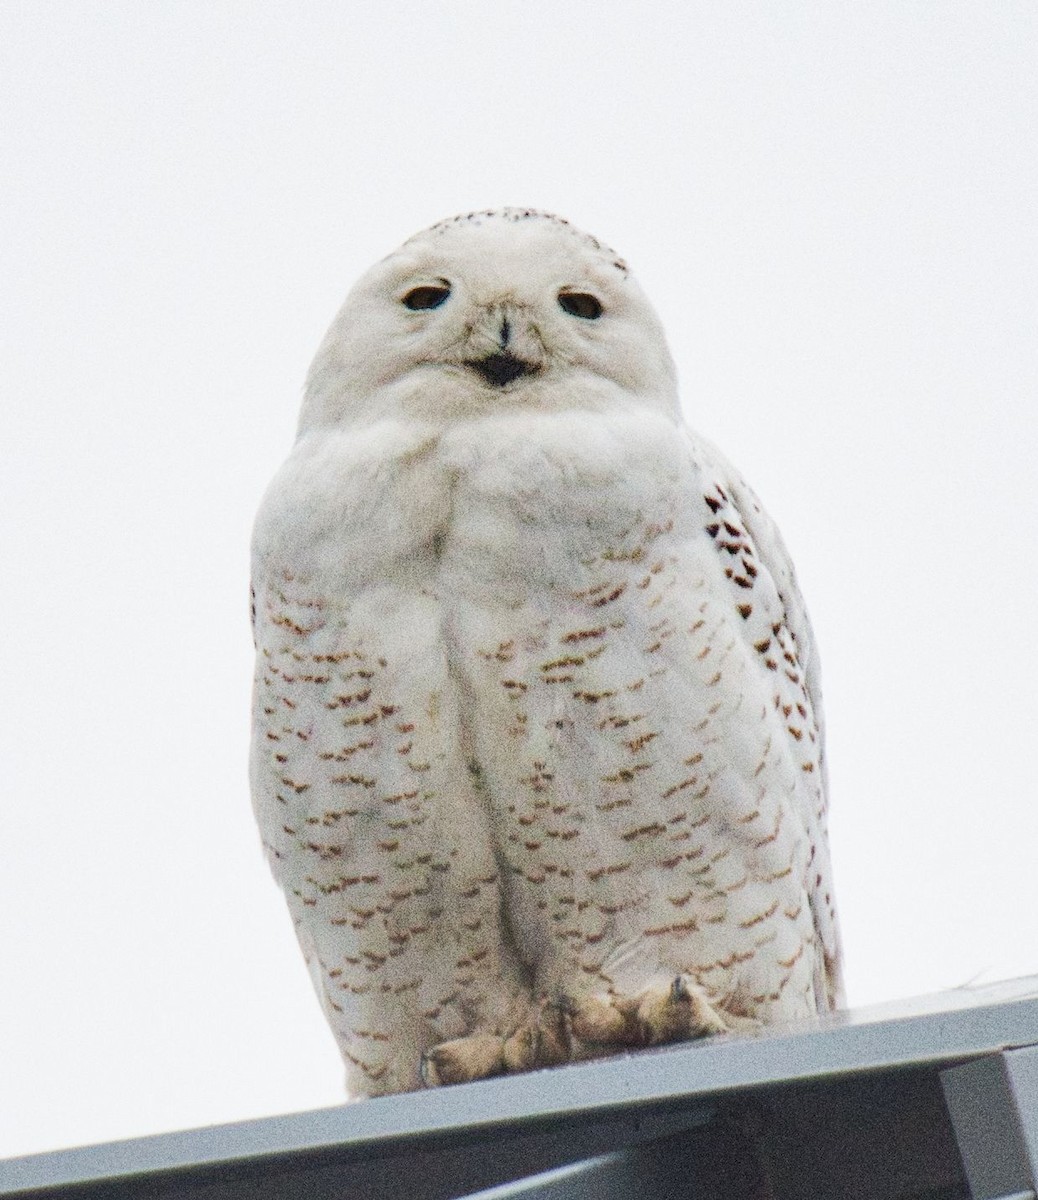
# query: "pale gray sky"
x,y
833,207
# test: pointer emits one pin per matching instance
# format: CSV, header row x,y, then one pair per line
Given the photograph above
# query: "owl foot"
x,y
463,1059
675,1011
542,1042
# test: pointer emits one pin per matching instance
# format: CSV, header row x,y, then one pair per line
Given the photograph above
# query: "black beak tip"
x,y
501,369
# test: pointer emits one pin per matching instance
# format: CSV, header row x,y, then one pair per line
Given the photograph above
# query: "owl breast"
x,y
646,773
528,728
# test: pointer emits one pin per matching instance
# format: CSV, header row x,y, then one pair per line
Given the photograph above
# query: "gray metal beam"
x,y
993,1104
450,1143
608,1177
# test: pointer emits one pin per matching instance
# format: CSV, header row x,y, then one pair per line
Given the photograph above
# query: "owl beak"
x,y
501,369
503,328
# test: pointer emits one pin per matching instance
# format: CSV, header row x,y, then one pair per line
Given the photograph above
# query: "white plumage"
x,y
538,751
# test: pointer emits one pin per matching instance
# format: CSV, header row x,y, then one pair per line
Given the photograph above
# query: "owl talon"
x,y
678,1012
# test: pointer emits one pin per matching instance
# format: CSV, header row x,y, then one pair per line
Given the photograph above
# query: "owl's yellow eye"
x,y
427,295
581,304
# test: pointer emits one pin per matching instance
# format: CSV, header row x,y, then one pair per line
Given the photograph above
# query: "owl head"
x,y
505,309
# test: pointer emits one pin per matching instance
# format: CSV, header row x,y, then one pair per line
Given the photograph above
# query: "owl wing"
x,y
800,640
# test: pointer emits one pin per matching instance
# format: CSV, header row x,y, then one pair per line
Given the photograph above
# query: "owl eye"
x,y
427,295
581,304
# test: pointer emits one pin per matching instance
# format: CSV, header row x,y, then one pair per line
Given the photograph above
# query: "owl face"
x,y
489,312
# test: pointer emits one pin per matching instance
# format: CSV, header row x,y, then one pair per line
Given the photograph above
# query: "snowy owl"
x,y
537,742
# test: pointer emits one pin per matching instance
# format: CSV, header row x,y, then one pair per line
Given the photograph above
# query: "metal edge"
x,y
945,1028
